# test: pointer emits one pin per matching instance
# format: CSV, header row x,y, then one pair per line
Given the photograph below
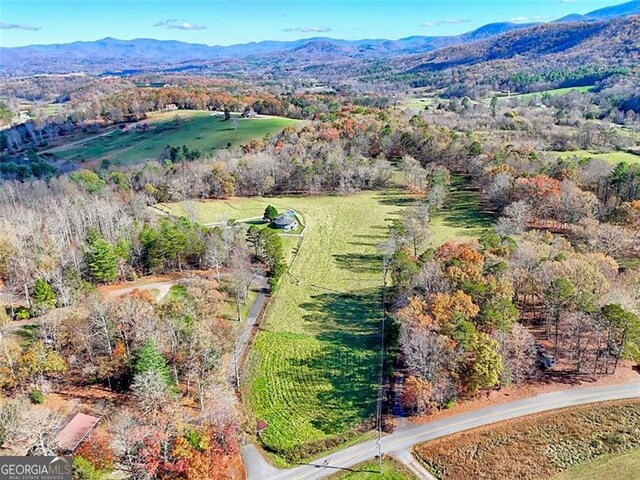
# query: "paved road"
x,y
404,439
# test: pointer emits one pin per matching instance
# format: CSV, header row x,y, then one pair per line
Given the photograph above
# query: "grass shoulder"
x,y
391,470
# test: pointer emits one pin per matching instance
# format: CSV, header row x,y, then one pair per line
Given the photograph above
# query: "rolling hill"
x,y
613,42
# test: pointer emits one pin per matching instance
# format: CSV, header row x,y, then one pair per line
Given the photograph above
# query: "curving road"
x,y
403,439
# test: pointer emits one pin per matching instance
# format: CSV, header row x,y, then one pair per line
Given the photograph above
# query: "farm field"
x,y
418,103
197,129
552,92
538,447
313,372
556,91
391,470
614,157
625,466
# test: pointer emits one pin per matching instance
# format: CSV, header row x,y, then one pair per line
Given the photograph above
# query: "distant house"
x,y
170,106
249,113
286,221
544,359
75,431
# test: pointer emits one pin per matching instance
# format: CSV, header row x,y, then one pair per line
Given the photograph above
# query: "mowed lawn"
x,y
197,129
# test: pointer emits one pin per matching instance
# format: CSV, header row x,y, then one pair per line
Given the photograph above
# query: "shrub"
x,y
36,397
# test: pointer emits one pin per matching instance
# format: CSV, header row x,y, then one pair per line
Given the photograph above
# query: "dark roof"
x,y
75,431
285,219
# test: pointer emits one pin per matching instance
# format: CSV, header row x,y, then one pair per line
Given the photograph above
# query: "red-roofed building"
x,y
74,432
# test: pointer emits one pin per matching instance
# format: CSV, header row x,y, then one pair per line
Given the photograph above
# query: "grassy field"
x,y
315,365
624,466
614,157
197,129
418,103
552,92
540,446
463,217
391,470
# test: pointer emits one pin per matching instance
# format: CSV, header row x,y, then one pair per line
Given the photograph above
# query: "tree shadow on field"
x,y
371,237
359,262
463,208
396,199
348,326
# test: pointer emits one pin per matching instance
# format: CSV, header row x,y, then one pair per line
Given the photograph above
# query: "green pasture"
x,y
197,129
463,217
613,157
313,370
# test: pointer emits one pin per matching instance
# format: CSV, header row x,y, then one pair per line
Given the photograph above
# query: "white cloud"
x,y
175,24
446,21
567,1
525,19
308,29
17,26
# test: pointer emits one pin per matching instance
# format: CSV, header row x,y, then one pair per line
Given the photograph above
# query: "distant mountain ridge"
x,y
111,55
606,13
613,42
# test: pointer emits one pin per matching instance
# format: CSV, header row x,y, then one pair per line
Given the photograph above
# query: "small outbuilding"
x,y
75,431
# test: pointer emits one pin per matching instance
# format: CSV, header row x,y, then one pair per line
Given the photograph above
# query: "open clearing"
x,y
537,447
552,92
611,157
197,129
625,466
314,368
463,217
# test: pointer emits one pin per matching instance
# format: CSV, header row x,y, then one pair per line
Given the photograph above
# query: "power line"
x,y
380,385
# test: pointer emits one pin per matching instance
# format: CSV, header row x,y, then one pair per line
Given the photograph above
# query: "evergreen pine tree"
x,y
270,213
102,259
149,358
43,296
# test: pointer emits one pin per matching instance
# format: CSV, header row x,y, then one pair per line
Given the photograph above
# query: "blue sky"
x,y
226,22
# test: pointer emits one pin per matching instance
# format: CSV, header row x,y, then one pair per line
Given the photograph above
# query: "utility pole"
x,y
235,364
380,386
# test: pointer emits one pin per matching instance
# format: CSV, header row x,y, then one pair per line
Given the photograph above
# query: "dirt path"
x,y
160,283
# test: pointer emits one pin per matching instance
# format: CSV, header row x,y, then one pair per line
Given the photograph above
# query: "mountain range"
x,y
113,55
